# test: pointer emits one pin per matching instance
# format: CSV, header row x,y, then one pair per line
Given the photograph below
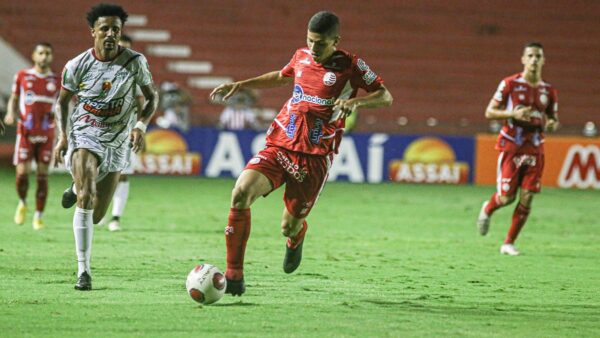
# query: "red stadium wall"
x,y
440,59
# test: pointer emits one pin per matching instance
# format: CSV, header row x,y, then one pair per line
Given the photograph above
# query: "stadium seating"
x,y
440,60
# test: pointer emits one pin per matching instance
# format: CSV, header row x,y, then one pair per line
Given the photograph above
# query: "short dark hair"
x,y
126,38
43,44
534,44
324,22
106,10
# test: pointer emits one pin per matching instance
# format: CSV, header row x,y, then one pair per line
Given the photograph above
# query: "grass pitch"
x,y
379,261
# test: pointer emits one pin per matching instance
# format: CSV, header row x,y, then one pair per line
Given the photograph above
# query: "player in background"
x,y
122,191
302,139
34,93
104,126
528,106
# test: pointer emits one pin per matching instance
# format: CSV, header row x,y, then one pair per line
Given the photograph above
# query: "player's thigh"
x,y
250,185
104,193
532,176
508,177
304,185
43,151
84,167
42,169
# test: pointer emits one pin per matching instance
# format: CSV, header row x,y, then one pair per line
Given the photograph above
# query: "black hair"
x,y
43,44
126,38
106,10
324,22
534,44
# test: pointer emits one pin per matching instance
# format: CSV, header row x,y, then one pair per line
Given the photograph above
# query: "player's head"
x,y
106,23
323,35
125,41
42,55
533,57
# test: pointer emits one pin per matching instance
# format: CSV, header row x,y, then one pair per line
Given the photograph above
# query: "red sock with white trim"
x,y
294,241
518,221
236,237
493,204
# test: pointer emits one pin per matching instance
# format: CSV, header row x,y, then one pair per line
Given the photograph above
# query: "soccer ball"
x,y
206,284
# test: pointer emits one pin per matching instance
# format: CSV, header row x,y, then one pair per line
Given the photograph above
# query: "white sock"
x,y
120,198
83,229
38,214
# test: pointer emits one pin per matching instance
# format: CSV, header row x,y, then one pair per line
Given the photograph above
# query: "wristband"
x,y
141,126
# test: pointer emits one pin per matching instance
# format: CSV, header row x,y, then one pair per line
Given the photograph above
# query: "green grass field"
x,y
379,261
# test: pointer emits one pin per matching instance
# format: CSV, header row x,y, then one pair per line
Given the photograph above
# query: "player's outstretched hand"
x,y
345,107
522,113
136,137
225,90
9,119
60,150
552,125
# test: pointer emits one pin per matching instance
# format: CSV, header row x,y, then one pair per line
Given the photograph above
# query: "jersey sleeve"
x,y
143,76
288,70
16,84
69,80
552,109
501,94
363,77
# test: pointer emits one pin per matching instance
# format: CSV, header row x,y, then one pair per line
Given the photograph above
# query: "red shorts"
x,y
519,170
29,147
304,176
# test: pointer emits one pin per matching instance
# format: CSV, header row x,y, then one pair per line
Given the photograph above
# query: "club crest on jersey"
x,y
544,99
329,79
50,86
106,86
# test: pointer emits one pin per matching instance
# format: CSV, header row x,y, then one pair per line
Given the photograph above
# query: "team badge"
x,y
544,99
521,97
50,86
329,79
29,84
106,86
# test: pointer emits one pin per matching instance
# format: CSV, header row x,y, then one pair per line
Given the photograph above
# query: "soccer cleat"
x,y
483,221
114,225
84,282
235,287
292,258
38,224
69,198
20,213
509,249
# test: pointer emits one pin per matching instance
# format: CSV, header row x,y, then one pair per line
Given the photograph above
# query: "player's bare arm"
x,y
63,114
379,98
13,106
268,80
496,111
137,134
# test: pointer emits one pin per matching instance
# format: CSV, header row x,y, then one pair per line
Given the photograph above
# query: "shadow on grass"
x,y
240,303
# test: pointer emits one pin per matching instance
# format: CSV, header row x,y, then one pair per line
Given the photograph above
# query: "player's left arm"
x,y
552,123
379,98
144,117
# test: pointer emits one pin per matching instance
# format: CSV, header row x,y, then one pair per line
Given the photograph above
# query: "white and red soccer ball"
x,y
206,284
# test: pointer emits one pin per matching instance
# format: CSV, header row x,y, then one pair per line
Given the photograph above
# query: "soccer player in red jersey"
x,y
34,93
302,139
528,106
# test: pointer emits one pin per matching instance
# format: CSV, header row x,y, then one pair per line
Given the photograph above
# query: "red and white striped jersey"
x,y
37,97
520,136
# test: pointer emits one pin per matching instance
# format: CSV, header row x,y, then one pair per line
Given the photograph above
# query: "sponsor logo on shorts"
x,y
299,96
37,139
298,173
525,160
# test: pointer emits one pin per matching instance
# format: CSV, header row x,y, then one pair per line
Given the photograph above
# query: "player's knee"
x,y
240,197
526,199
506,200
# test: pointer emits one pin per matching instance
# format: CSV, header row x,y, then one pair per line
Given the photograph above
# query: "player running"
x,y
302,139
104,128
34,94
528,106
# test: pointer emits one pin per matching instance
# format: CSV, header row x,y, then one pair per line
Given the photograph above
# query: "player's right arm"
x,y
496,109
13,108
268,80
63,113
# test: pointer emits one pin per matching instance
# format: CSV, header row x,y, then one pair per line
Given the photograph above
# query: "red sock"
x,y
41,192
236,236
518,221
22,186
493,204
293,242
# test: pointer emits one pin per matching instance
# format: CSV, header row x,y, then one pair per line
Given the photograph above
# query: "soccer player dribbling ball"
x,y
302,139
33,96
528,106
104,129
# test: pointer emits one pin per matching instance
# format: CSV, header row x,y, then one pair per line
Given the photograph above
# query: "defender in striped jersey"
x,y
301,141
103,124
33,97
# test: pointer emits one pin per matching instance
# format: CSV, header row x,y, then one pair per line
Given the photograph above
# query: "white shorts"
x,y
109,159
129,169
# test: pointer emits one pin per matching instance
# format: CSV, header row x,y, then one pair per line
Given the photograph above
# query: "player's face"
x,y
107,32
42,56
533,59
321,45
